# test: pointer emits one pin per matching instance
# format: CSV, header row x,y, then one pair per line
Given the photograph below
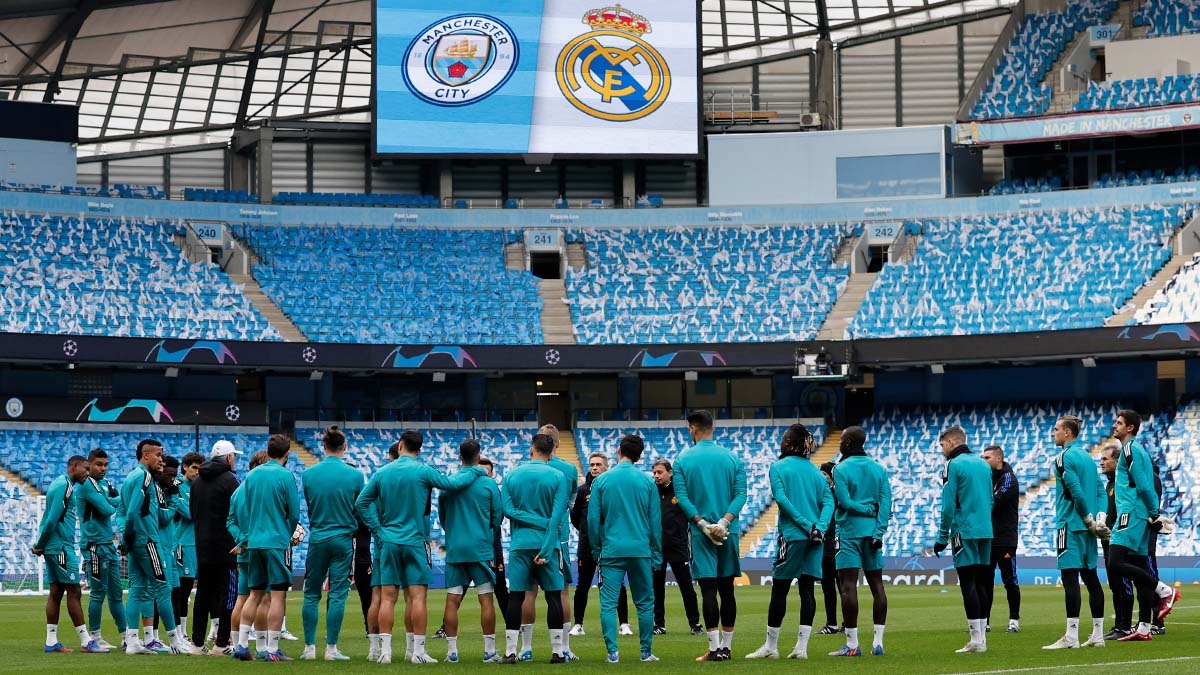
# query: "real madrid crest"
x,y
612,72
461,60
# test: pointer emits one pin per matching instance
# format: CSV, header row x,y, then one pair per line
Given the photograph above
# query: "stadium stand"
x,y
1015,273
118,190
120,278
1168,17
1016,89
1178,301
756,442
1148,177
404,201
723,284
1143,92
396,285
1018,186
1180,477
225,196
18,527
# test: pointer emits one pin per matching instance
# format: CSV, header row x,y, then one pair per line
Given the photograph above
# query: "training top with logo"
x,y
1135,482
96,510
56,533
143,517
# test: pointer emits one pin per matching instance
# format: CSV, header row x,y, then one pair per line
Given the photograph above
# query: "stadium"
x,y
229,219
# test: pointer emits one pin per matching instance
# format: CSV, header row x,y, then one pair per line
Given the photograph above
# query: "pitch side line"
x,y
1078,665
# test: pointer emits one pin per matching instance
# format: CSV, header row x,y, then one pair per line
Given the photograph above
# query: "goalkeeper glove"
x,y
877,544
938,548
1098,530
815,535
1162,525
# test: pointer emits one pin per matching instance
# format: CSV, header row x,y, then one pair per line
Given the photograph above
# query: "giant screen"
x,y
559,77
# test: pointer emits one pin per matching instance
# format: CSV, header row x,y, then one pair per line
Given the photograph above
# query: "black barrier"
x,y
133,411
1171,340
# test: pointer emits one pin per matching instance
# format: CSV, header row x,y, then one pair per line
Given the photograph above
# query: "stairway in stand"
x,y
269,310
306,456
17,480
569,452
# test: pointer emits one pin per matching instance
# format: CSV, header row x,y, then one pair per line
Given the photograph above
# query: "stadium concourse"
x,y
357,301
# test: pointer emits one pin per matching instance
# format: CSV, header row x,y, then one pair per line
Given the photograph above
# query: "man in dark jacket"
x,y
1006,497
597,464
675,552
829,579
1121,587
216,580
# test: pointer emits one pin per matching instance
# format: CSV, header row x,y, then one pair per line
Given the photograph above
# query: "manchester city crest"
x,y
461,60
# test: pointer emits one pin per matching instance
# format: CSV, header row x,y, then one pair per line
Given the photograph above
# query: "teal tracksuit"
x,y
1077,495
1136,499
470,518
967,508
233,524
710,481
101,562
270,511
805,502
185,535
330,489
392,506
863,508
56,533
624,525
148,558
535,500
173,509
571,473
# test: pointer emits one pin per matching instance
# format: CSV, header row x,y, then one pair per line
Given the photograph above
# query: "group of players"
x,y
832,522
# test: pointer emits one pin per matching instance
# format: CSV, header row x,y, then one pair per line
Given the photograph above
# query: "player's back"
x,y
796,480
969,483
330,489
469,517
536,488
626,505
270,507
403,491
1135,480
711,478
1076,471
861,481
141,507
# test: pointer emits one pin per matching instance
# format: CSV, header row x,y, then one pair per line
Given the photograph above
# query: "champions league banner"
x,y
536,77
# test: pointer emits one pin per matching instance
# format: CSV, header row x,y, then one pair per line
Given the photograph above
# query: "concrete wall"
x,y
1155,57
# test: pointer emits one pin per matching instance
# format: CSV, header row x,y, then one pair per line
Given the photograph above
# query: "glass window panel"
x,y
222,118
156,125
121,124
189,117
325,102
157,114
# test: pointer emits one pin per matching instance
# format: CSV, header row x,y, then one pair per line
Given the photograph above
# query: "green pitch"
x,y
925,626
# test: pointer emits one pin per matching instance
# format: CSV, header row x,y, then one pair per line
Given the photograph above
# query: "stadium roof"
x,y
156,68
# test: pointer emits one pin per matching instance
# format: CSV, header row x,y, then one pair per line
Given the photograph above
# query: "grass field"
x,y
925,626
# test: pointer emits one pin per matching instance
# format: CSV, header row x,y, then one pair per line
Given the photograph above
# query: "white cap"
x,y
223,448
